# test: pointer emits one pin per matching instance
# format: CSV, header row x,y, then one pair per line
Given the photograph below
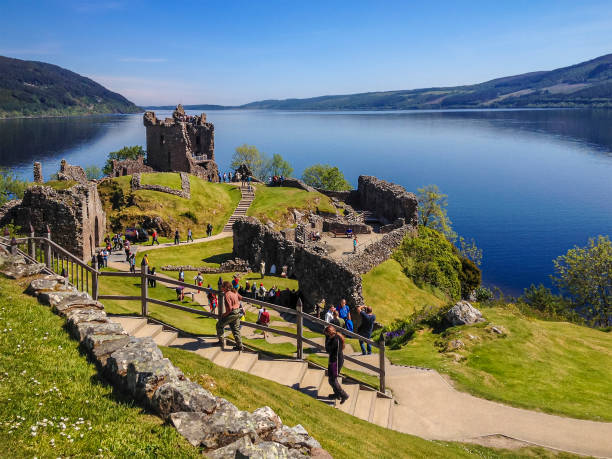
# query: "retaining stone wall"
x,y
184,192
136,367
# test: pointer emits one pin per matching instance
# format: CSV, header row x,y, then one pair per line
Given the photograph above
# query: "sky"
x,y
234,52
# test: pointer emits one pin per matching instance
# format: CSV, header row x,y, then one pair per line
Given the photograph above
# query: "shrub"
x,y
190,215
431,259
483,294
470,277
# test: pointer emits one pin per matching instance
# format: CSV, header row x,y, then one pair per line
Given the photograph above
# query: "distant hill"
x,y
30,88
588,84
190,107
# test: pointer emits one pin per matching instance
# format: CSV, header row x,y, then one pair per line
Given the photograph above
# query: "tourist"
x,y
212,299
247,288
334,346
177,239
132,262
145,260
154,238
189,235
366,327
329,315
126,247
229,177
355,244
263,318
105,257
181,276
220,283
262,269
343,310
219,174
262,293
235,281
254,291
152,282
348,323
249,183
107,241
335,319
209,229
198,279
180,293
224,177
231,315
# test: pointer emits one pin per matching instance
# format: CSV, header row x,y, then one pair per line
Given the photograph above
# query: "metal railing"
x,y
86,278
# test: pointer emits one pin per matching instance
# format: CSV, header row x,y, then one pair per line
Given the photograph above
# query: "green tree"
x,y
251,157
470,277
585,273
542,299
470,251
133,152
93,172
11,187
432,211
326,177
278,166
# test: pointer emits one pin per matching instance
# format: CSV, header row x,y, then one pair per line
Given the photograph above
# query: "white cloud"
x,y
143,59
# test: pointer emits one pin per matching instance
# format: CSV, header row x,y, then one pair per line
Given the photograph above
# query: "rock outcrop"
x,y
463,313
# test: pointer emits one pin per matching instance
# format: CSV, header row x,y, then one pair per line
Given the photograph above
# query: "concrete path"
x,y
146,248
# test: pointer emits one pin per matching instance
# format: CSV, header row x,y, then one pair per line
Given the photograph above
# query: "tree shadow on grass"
x,y
218,258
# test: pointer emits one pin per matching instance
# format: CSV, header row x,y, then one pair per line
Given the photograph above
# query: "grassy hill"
x,y
30,88
210,202
587,84
556,367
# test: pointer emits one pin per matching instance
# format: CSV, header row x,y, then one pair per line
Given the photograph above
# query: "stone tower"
x,y
181,144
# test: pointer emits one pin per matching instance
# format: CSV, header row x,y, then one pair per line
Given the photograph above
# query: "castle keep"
x,y
182,143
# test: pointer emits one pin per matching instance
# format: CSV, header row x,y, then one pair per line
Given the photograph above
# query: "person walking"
x,y
198,280
181,275
177,239
334,346
263,318
355,244
220,284
154,238
132,261
231,315
126,247
189,235
366,327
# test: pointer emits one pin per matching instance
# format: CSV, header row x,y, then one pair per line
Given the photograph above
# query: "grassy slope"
x,y
555,367
169,179
35,347
344,436
392,295
276,204
210,202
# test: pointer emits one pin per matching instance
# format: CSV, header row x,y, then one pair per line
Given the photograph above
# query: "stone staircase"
x,y
245,202
363,402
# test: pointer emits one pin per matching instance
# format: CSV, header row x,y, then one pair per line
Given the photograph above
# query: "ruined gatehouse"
x,y
182,143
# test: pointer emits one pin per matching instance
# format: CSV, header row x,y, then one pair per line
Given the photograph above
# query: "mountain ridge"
x,y
36,89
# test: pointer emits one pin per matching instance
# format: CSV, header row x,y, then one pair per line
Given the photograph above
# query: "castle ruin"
x,y
182,143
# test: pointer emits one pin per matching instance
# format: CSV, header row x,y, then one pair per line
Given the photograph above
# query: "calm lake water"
x,y
526,185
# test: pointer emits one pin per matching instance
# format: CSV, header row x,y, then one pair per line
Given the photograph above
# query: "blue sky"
x,y
228,52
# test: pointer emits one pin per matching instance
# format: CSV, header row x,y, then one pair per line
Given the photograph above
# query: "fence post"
x,y
221,308
300,330
144,287
31,243
94,278
48,249
381,363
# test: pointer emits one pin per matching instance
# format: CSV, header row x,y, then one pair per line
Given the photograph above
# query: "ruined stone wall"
x,y
180,145
388,200
129,167
69,172
75,216
184,192
320,277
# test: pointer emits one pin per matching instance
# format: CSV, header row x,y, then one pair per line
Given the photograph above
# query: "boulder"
x,y
294,437
102,346
143,378
463,313
184,395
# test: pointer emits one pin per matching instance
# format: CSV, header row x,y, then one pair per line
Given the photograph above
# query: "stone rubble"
x,y
137,367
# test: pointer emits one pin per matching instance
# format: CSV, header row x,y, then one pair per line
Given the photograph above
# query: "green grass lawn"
x,y
45,382
392,295
276,204
556,367
169,179
344,436
210,202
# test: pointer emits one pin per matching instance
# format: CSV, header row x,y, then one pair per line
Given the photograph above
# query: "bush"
x,y
133,152
326,177
470,277
430,258
191,216
483,294
403,330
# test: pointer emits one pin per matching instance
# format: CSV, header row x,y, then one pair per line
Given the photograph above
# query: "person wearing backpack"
x,y
366,327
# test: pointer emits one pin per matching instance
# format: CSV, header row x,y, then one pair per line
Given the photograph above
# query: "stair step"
x,y
353,391
188,344
363,407
382,411
325,390
226,358
165,338
130,324
286,372
311,381
245,361
208,352
151,330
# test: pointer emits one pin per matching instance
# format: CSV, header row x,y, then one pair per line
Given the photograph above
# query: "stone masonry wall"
x,y
184,192
388,200
69,172
129,167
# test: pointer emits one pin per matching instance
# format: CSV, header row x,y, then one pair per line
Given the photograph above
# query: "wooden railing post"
x,y
94,278
381,356
32,244
144,288
221,308
48,250
300,330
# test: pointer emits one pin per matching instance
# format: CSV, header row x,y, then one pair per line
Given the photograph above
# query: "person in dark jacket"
x,y
334,346
366,327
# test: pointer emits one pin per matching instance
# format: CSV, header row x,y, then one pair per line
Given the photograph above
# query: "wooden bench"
x,y
342,232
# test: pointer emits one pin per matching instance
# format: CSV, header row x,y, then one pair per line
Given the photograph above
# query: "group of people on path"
x,y
334,316
177,235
